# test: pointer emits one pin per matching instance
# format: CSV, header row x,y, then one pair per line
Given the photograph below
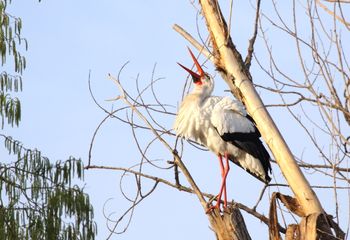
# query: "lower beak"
x,y
196,77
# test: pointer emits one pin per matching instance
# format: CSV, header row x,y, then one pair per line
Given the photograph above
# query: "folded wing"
x,y
235,126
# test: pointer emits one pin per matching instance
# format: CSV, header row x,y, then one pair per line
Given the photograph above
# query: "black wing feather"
x,y
251,143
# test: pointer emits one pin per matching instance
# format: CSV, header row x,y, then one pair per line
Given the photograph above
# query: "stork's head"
x,y
203,82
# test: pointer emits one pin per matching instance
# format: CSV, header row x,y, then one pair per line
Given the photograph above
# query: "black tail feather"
x,y
265,180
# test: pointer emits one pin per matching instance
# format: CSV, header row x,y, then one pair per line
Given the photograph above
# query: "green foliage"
x,y
10,38
10,108
10,45
38,199
41,200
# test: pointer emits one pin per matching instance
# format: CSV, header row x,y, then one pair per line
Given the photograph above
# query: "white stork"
x,y
224,127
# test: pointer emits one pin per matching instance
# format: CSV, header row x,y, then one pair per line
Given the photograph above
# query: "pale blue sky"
x,y
67,39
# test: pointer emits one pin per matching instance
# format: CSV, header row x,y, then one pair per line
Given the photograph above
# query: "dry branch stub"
x,y
312,226
230,225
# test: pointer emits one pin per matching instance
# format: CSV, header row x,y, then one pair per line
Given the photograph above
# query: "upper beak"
x,y
195,76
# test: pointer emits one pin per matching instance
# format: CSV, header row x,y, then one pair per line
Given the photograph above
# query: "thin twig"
x,y
248,58
340,19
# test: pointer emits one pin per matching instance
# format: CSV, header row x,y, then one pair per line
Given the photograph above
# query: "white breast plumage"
x,y
194,118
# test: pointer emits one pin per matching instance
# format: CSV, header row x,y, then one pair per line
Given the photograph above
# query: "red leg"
x,y
223,182
224,178
224,173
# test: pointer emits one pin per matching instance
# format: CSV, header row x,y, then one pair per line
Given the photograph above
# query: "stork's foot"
x,y
217,205
210,204
213,207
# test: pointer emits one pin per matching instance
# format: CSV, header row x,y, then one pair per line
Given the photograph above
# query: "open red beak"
x,y
195,76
